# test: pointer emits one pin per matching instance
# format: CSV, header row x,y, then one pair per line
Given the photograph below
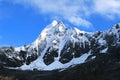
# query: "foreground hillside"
x,y
103,67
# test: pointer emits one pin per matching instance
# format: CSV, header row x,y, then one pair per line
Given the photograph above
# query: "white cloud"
x,y
67,9
76,11
79,21
109,8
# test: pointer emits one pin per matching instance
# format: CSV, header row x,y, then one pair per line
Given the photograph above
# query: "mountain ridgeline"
x,y
58,45
61,53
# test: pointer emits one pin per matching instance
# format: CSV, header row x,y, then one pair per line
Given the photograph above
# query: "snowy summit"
x,y
54,23
59,47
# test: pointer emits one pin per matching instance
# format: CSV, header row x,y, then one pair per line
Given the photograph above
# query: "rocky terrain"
x,y
61,53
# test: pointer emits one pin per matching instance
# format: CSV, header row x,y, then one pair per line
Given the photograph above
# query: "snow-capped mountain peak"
x,y
78,31
54,23
58,45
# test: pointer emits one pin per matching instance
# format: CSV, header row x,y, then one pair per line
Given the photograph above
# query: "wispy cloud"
x,y
79,21
109,8
76,11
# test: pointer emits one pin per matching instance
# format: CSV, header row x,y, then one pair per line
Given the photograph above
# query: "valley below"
x,y
103,67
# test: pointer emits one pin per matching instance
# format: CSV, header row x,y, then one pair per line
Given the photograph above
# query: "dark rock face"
x,y
8,57
73,50
49,56
23,54
31,58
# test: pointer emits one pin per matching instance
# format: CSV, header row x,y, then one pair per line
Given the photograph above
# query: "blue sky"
x,y
21,21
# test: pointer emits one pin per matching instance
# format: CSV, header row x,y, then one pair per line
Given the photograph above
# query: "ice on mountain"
x,y
54,23
104,50
93,57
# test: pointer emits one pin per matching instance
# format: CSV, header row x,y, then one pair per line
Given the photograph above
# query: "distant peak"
x,y
54,23
116,26
78,31
57,22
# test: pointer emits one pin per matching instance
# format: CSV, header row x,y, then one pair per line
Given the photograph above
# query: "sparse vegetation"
x,y
7,77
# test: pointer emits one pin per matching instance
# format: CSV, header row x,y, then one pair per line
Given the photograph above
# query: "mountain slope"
x,y
103,67
58,47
